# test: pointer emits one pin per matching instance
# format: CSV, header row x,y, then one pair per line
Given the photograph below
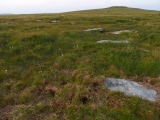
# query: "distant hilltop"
x,y
129,9
118,7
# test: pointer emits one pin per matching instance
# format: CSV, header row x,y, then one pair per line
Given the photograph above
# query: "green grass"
x,y
35,56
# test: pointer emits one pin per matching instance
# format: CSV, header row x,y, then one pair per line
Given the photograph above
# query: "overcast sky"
x,y
55,6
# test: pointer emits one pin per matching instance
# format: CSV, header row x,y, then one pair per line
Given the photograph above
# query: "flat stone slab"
x,y
94,29
121,31
113,41
38,20
55,21
146,50
131,88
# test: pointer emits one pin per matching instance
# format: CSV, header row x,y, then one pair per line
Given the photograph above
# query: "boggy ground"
x,y
55,70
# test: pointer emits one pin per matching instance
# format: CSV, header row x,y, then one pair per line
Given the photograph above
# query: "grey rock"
x,y
121,31
55,21
146,50
113,41
73,23
102,30
94,29
38,20
131,88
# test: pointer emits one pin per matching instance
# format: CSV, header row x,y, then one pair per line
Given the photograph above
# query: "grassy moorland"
x,y
56,71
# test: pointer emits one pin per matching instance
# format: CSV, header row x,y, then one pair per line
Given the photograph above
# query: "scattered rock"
x,y
73,23
102,30
113,41
55,21
131,88
94,29
121,31
146,50
38,20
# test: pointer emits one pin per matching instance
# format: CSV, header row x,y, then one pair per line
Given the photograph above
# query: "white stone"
x,y
146,50
131,88
113,41
38,20
73,23
55,21
121,31
93,29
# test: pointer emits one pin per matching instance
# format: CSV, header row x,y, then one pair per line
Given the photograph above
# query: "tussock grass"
x,y
56,70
